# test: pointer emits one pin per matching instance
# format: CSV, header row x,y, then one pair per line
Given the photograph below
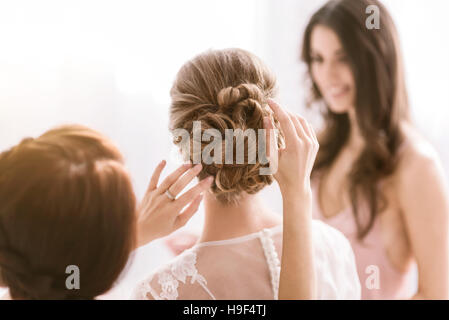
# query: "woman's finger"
x,y
306,127
268,126
188,212
285,121
184,180
188,196
156,175
173,177
313,134
300,131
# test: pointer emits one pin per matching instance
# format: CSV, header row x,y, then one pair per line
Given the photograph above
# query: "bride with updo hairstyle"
x,y
237,255
238,107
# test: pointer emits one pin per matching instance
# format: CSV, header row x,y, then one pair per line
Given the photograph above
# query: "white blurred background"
x,y
110,64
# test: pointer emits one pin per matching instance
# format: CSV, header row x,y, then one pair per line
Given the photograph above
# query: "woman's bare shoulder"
x,y
418,155
419,164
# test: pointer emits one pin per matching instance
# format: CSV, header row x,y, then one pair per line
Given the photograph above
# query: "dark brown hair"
x,y
380,103
225,89
65,199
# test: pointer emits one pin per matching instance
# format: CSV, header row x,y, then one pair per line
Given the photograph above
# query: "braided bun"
x,y
225,89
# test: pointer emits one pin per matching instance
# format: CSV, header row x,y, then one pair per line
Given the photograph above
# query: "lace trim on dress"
x,y
274,265
143,289
179,270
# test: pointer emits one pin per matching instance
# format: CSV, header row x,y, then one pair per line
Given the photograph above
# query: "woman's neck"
x,y
224,222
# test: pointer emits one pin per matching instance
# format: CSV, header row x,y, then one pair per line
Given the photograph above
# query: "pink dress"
x,y
379,279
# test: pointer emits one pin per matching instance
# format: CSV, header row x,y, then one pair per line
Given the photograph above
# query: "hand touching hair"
x,y
225,89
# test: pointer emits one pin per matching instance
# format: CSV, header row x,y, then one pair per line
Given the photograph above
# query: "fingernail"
x,y
198,167
210,179
187,165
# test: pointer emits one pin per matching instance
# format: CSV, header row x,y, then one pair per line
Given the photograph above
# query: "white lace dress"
x,y
248,267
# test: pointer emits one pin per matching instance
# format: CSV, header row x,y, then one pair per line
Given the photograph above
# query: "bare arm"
x,y
295,162
297,279
423,196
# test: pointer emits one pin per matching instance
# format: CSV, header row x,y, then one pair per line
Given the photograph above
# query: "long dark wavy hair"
x,y
380,104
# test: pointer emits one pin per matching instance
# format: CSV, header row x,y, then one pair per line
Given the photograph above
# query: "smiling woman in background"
x,y
375,179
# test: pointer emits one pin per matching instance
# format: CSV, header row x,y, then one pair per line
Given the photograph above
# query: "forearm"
x,y
297,279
